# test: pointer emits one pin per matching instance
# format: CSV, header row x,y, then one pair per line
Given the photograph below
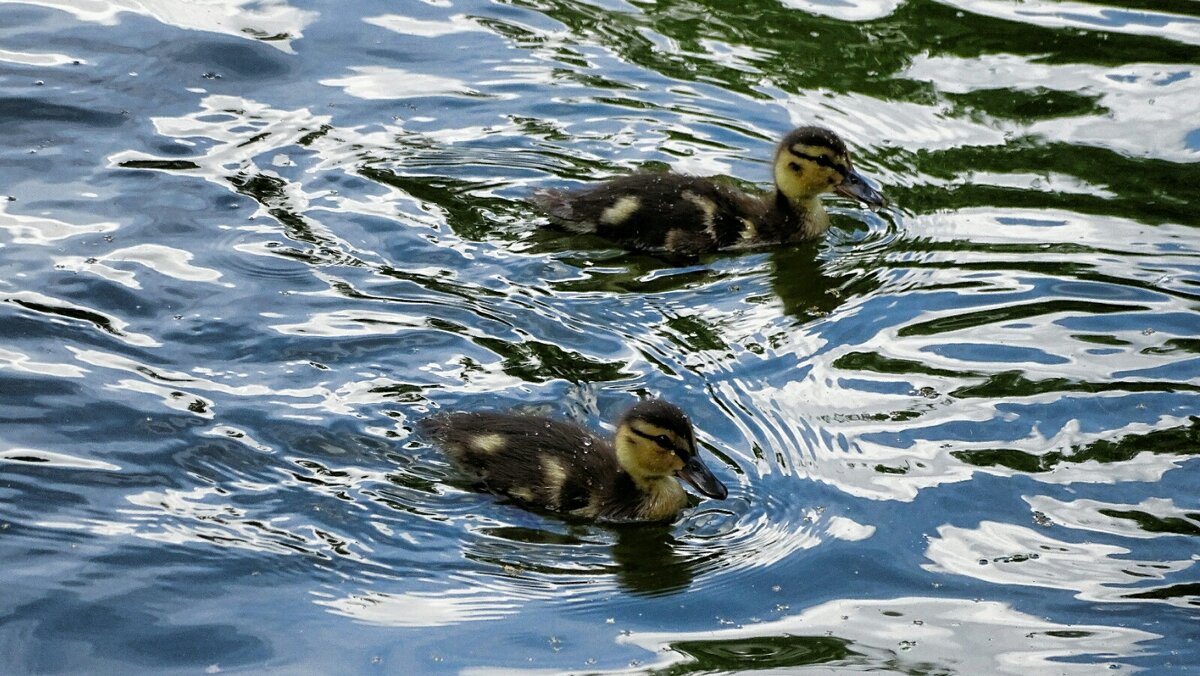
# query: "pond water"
x,y
247,245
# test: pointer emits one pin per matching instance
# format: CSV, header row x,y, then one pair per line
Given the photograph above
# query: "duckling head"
x,y
811,161
655,441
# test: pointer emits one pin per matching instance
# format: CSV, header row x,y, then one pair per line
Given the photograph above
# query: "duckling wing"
x,y
548,463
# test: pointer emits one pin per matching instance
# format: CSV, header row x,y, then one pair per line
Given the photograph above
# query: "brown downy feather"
x,y
539,462
562,467
691,215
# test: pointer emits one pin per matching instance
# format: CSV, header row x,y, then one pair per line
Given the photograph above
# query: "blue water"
x,y
246,246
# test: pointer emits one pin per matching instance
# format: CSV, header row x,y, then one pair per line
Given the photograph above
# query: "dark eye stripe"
x,y
659,439
823,161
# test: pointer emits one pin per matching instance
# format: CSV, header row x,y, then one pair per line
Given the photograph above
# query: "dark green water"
x,y
247,246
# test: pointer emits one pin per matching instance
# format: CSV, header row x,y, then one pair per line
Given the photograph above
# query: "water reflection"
x,y
238,274
274,22
1148,519
911,635
1140,113
1010,554
425,609
1091,17
42,230
650,561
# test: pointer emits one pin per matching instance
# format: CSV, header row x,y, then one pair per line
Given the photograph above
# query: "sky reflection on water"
x,y
248,245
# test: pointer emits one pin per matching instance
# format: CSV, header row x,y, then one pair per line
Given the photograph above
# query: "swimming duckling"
x,y
563,467
690,215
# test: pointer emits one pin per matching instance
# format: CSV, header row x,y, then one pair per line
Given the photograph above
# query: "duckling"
x,y
562,467
691,215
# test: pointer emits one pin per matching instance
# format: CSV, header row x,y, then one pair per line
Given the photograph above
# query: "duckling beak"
x,y
856,187
696,474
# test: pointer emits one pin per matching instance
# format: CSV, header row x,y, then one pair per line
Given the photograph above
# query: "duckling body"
x,y
563,467
692,215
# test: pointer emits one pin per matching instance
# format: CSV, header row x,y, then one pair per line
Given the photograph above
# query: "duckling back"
x,y
684,214
540,462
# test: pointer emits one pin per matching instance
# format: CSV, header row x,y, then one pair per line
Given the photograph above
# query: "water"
x,y
248,245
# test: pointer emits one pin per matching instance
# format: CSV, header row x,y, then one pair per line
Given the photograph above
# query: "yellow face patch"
x,y
620,211
645,450
803,171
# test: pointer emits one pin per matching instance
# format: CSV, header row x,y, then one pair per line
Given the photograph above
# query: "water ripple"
x,y
240,273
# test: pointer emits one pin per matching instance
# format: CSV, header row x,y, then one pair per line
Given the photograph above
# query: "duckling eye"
x,y
665,443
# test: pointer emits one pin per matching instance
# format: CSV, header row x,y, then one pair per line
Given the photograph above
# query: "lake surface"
x,y
247,245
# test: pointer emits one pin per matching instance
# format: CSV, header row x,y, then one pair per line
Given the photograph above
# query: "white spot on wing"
x,y
521,493
749,230
708,208
488,443
621,210
556,476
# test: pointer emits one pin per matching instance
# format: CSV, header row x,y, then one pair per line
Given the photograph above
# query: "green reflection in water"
x,y
1008,313
1138,188
470,214
649,560
763,652
1015,384
1190,591
1174,441
1029,105
1175,345
877,363
646,558
1158,524
536,362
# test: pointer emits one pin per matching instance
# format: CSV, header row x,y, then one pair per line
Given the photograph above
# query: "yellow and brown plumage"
x,y
563,467
692,215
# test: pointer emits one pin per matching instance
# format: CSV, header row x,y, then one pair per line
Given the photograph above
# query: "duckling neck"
x,y
660,497
788,219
